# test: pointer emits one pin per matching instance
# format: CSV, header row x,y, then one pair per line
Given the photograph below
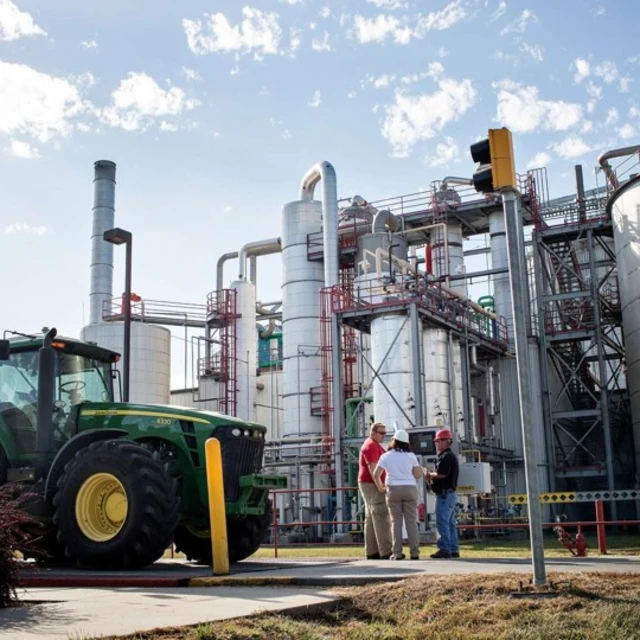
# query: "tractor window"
x,y
82,379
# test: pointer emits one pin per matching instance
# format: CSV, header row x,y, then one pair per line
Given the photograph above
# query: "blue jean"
x,y
446,522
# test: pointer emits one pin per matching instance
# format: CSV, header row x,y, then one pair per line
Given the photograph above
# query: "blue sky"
x,y
214,110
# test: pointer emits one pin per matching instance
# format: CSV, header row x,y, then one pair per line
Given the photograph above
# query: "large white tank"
x,y
436,377
150,370
625,212
500,260
392,386
246,348
301,284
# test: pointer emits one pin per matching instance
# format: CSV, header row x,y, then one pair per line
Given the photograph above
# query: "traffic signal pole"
x,y
520,306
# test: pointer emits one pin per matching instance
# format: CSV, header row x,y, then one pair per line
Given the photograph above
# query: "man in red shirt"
x,y
377,525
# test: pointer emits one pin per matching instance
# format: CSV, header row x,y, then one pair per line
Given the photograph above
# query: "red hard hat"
x,y
443,434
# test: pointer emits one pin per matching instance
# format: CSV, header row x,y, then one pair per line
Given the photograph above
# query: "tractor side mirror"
x,y
4,350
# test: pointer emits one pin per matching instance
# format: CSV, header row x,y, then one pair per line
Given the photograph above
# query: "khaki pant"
x,y
377,526
402,501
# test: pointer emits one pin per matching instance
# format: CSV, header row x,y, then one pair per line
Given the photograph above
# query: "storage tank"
x,y
246,348
302,281
624,208
150,369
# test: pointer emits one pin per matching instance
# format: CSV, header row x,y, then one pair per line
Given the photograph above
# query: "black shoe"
x,y
455,554
415,557
400,557
440,554
385,557
374,556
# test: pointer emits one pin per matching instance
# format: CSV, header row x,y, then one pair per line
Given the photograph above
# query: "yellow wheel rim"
x,y
101,507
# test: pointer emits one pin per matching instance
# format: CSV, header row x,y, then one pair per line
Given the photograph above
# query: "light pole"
x,y
119,236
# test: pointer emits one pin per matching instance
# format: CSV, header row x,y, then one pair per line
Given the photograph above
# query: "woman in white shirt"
x,y
402,470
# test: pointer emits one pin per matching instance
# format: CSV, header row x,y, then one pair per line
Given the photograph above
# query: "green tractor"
x,y
112,485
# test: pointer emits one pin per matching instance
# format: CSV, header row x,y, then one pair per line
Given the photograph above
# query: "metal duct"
x,y
324,171
220,268
104,189
385,221
500,260
258,248
246,348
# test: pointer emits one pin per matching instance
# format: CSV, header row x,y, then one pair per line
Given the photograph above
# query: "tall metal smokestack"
x,y
104,190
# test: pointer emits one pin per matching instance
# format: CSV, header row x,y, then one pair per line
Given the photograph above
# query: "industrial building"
x,y
377,319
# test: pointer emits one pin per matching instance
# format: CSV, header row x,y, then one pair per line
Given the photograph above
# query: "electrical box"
x,y
474,478
421,442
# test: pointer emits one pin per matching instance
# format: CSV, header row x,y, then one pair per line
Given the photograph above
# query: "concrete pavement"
x,y
252,587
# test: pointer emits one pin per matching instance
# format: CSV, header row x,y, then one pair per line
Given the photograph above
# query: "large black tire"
x,y
122,478
244,538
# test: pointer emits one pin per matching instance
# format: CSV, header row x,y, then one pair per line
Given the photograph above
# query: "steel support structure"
x,y
586,405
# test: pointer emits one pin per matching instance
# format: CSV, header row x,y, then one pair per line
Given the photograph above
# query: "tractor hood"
x,y
117,413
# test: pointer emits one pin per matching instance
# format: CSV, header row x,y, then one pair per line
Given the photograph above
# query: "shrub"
x,y
12,520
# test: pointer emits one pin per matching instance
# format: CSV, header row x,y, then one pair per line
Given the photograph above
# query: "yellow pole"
x,y
217,514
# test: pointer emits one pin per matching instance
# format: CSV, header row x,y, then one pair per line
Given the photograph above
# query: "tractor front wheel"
x,y
116,506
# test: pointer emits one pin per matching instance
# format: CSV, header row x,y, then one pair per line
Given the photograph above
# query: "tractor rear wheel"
x,y
116,506
244,538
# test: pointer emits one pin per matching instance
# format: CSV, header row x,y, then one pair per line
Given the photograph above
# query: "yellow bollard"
x,y
217,513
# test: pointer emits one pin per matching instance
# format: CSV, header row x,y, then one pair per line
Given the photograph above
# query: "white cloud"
x,y
38,105
625,81
21,149
292,2
541,159
442,52
443,19
571,147
612,116
378,29
593,90
26,229
520,109
633,112
294,42
583,69
351,95
598,12
258,33
379,82
413,118
627,131
447,153
390,5
325,12
89,44
534,50
15,24
606,70
316,99
139,101
286,134
191,74
321,45
520,24
499,12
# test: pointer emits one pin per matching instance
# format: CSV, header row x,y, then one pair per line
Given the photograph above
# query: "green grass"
x,y
617,544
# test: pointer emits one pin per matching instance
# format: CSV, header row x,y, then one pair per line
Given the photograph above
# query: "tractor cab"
x,y
81,373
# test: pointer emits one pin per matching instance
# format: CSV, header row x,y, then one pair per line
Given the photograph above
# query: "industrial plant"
x,y
380,319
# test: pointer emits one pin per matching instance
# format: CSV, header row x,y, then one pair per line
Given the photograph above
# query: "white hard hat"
x,y
401,436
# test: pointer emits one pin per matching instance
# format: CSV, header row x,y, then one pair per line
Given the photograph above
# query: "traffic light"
x,y
496,168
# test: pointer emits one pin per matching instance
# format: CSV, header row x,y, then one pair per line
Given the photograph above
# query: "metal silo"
x,y
624,207
301,283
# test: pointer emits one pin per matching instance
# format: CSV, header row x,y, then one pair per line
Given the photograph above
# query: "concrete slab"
x,y
92,613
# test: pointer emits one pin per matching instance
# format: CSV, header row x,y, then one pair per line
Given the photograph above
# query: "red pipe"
x,y
601,527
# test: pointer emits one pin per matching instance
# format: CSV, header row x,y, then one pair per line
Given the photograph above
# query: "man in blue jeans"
x,y
444,482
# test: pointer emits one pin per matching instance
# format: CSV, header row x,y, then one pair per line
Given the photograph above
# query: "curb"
x,y
41,581
266,581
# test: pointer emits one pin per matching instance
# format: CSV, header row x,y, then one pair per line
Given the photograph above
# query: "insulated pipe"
x,y
258,248
384,221
455,180
324,171
603,161
220,268
104,189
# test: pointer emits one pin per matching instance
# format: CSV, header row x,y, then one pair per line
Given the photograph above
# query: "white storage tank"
x,y
150,370
246,348
302,281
